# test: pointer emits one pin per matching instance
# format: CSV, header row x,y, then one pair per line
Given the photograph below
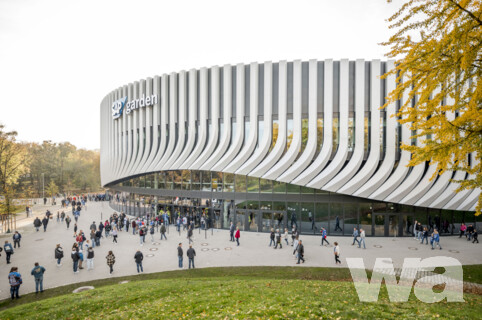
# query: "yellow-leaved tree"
x,y
437,47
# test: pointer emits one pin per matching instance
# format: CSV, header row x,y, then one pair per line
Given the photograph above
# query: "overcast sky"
x,y
59,58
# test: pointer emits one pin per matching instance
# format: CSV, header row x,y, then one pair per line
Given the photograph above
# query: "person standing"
x,y
151,232
191,253
163,231
237,235
38,274
323,236
231,232
336,251
45,222
475,236
90,258
8,250
141,236
16,239
75,259
362,239
37,223
355,237
285,236
424,236
59,254
180,254
114,235
15,280
110,261
67,221
301,252
138,257
189,234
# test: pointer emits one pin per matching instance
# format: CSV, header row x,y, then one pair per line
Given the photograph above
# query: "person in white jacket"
x,y
362,239
337,253
286,236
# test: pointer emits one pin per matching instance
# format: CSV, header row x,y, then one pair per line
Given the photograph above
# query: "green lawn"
x,y
219,293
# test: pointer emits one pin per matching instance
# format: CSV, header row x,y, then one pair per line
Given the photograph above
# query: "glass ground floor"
x,y
258,205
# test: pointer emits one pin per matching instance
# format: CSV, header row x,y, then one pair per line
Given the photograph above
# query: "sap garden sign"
x,y
119,105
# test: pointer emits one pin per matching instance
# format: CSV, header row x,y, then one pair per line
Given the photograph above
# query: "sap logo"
x,y
118,107
400,291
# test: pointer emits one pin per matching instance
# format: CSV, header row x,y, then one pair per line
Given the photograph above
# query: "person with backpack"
x,y
15,280
8,250
16,239
138,257
38,274
37,223
90,258
80,239
110,261
59,254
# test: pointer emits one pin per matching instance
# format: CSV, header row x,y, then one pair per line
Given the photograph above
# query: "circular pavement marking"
x,y
228,248
215,249
153,249
454,251
204,249
81,289
149,255
38,239
204,244
412,248
155,243
124,282
377,246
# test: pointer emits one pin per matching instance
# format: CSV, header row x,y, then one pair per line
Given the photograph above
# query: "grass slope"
x,y
217,293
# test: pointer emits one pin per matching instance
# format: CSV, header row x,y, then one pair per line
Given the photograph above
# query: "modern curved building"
x,y
274,144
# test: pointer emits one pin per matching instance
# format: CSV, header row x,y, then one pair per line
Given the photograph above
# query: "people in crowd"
x,y
7,247
15,280
59,254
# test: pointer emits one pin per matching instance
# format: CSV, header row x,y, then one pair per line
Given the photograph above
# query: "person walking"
x,y
278,240
286,236
37,223
151,232
463,228
237,235
336,251
138,257
424,236
337,224
191,253
436,239
90,258
271,238
163,231
15,280
67,221
301,252
45,222
323,236
362,239
141,236
231,232
114,235
98,235
38,274
7,247
59,254
355,237
110,261
75,259
16,239
180,254
189,234
475,236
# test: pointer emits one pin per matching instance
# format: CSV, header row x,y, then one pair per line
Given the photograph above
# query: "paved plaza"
x,y
213,249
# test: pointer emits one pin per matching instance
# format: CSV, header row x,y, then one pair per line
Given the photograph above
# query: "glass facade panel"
x,y
307,223
365,219
266,186
206,180
196,180
240,183
279,187
293,215
350,219
322,215
336,211
292,188
177,180
253,184
186,179
217,181
228,180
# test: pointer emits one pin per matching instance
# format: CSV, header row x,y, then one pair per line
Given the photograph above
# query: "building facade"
x,y
267,145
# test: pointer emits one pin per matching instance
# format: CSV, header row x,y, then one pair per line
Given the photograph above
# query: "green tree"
x,y
52,188
437,45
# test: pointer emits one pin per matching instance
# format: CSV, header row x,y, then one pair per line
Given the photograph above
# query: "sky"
x,y
60,58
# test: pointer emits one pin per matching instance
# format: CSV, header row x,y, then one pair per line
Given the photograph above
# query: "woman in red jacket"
x,y
237,235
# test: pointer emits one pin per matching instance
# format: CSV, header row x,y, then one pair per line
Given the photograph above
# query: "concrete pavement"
x,y
214,251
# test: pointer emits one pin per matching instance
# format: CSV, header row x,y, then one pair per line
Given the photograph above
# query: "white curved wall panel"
x,y
180,129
